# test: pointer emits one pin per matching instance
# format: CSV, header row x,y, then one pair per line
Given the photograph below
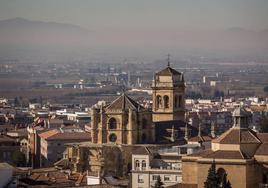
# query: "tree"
x,y
213,180
225,183
158,183
228,185
18,158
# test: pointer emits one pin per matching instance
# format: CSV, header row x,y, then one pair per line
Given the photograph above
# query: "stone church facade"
x,y
124,121
124,126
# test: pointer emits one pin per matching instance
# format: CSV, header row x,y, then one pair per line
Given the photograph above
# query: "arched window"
x,y
143,165
166,101
143,138
176,101
180,101
112,123
137,165
144,123
158,101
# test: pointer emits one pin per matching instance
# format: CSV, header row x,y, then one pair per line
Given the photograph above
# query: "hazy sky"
x,y
138,27
143,14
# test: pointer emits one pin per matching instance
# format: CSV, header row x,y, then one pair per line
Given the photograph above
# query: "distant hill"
x,y
20,30
20,37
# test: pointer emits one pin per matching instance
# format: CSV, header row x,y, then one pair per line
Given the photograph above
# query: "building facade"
x,y
124,121
168,95
240,154
146,167
53,144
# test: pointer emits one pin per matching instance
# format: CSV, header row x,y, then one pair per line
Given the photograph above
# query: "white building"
x,y
146,167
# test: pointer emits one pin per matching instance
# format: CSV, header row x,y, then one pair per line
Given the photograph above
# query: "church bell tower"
x,y
168,95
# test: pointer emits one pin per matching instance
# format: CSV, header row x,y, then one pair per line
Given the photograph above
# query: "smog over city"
x,y
103,93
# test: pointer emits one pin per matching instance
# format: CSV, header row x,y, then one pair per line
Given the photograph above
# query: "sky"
x,y
141,27
143,14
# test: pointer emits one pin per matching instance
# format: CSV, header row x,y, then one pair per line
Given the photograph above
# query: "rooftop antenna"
x,y
168,60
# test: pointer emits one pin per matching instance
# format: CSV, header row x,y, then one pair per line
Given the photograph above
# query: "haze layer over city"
x,y
134,93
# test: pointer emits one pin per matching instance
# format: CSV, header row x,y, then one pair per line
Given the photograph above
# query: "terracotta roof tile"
x,y
48,134
168,72
237,136
263,137
200,139
124,102
201,153
223,154
262,150
57,135
71,136
230,136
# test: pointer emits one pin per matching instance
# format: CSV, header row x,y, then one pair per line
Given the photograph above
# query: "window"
x,y
155,177
143,138
176,101
112,137
169,166
112,123
143,165
140,179
180,101
166,101
144,123
137,165
166,178
158,101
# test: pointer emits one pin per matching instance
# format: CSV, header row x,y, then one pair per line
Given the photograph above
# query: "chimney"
x,y
199,130
186,131
213,129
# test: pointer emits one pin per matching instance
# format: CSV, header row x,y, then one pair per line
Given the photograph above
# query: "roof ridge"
x,y
242,154
130,101
255,136
222,136
124,102
114,102
147,150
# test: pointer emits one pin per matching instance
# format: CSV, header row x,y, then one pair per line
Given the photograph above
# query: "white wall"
x,y
93,180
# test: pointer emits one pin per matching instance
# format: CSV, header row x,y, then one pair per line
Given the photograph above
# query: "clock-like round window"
x,y
112,137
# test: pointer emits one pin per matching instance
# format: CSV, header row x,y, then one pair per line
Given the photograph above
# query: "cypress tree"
x,y
213,180
228,185
158,183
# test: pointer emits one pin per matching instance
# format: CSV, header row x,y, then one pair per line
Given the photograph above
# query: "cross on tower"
x,y
168,60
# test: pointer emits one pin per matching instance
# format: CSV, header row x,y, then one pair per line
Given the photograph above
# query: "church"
x,y
124,121
124,126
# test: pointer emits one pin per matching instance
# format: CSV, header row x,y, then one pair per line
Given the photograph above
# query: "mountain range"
x,y
20,36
